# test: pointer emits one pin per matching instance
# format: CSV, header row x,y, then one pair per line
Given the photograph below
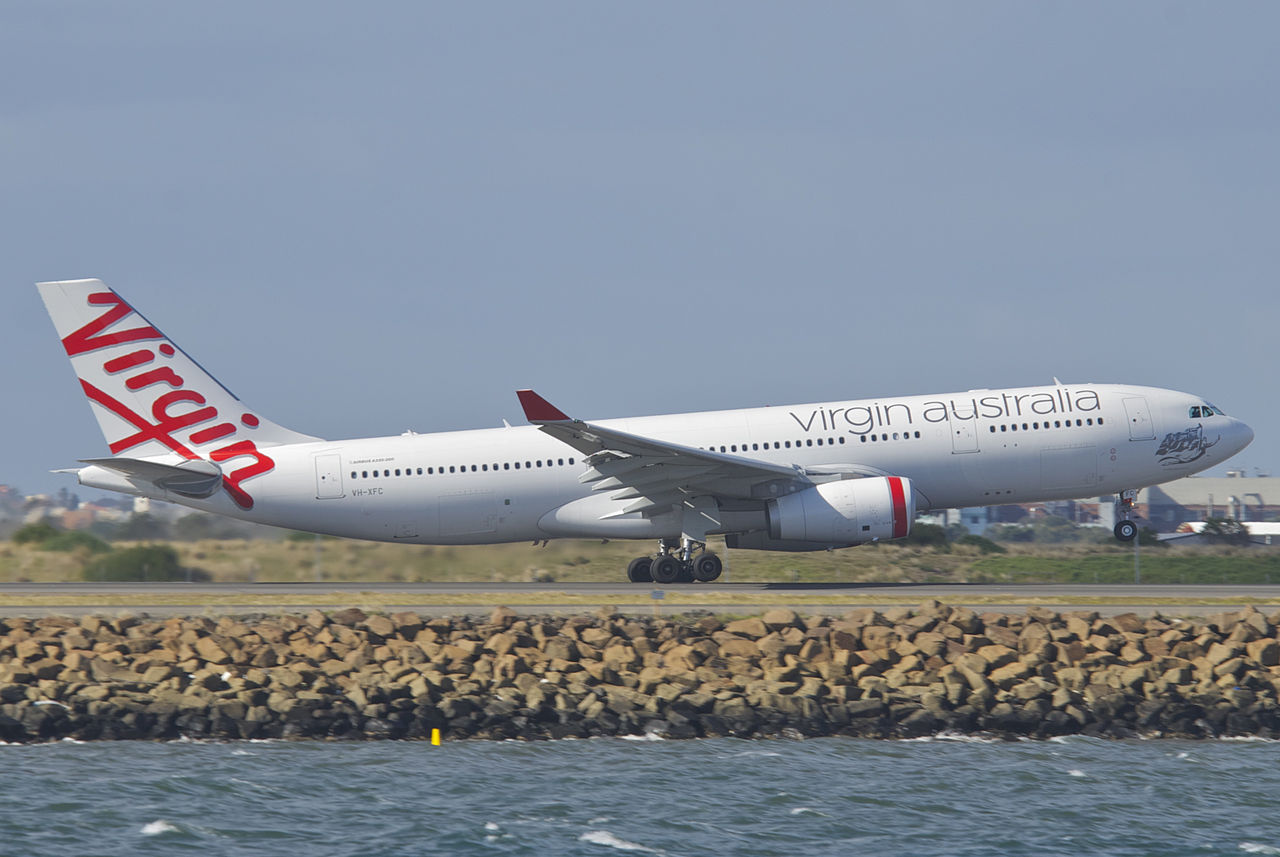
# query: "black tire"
x,y
665,569
638,570
707,568
1126,531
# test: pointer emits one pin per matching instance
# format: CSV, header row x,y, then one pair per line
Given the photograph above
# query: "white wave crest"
x,y
1076,772
157,827
604,837
1258,848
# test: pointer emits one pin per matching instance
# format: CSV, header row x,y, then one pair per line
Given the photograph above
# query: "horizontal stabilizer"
x,y
196,478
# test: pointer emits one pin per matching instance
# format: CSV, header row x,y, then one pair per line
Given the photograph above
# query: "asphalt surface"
x,y
81,598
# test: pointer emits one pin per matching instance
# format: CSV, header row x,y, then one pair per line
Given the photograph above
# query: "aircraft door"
x,y
1140,427
328,476
964,435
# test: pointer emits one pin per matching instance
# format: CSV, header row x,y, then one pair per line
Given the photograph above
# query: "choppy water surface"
x,y
600,797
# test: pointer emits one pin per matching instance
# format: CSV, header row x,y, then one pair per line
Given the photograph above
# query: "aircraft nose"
x,y
1242,435
1246,435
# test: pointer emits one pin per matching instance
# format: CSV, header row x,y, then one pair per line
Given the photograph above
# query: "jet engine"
x,y
850,511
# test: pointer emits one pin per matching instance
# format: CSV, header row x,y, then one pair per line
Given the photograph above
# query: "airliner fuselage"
x,y
793,477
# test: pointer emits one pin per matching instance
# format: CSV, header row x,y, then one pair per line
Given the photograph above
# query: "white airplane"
x,y
798,477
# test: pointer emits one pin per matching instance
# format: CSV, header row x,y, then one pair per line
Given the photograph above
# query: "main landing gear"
x,y
1126,530
672,566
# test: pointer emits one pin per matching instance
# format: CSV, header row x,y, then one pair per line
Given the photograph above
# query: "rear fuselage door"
x,y
1140,427
328,476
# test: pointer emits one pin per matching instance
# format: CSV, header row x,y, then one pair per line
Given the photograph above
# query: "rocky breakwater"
x,y
896,673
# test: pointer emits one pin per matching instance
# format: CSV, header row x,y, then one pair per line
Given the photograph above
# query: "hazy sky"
x,y
365,218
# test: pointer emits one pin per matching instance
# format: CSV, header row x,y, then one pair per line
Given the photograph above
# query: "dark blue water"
x,y
600,797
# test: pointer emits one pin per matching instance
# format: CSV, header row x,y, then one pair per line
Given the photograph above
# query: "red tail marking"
x,y
163,375
91,336
147,430
212,433
231,482
899,496
166,423
134,358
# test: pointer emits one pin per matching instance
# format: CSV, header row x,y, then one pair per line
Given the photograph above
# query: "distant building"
x,y
1196,498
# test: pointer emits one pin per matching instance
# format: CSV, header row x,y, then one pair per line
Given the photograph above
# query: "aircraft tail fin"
x,y
150,398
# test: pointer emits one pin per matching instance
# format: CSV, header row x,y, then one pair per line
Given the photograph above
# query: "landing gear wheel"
x,y
1126,531
665,569
707,568
638,570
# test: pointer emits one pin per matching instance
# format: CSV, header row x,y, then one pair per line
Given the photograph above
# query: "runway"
x,y
33,599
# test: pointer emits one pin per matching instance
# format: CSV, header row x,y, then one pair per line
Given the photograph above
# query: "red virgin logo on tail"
x,y
174,408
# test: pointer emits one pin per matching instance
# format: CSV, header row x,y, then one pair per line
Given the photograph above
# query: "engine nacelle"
x,y
851,511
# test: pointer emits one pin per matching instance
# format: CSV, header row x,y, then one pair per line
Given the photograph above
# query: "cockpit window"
x,y
1195,412
1209,410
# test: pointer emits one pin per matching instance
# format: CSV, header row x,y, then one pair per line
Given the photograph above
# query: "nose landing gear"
x,y
692,562
1126,530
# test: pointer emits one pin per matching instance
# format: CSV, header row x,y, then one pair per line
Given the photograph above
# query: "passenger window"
x,y
451,468
809,442
506,465
993,429
1099,420
863,438
819,441
484,467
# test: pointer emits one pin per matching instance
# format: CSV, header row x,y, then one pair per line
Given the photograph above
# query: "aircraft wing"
x,y
648,475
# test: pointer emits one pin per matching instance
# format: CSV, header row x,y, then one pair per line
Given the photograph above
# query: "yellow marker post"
x,y
435,737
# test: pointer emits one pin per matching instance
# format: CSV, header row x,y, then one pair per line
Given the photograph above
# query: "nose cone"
x,y
1246,434
1238,437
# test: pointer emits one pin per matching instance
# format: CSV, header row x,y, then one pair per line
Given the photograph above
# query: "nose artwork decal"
x,y
1184,447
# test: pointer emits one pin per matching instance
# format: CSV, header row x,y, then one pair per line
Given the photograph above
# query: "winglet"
x,y
538,409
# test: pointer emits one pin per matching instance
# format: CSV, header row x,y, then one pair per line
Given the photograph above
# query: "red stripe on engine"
x,y
899,496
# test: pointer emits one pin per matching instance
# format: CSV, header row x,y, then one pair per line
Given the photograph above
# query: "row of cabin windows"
x,y
755,447
830,441
777,444
1044,425
460,468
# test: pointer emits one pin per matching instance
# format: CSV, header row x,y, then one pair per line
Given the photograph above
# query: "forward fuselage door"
x,y
964,434
328,476
1140,427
